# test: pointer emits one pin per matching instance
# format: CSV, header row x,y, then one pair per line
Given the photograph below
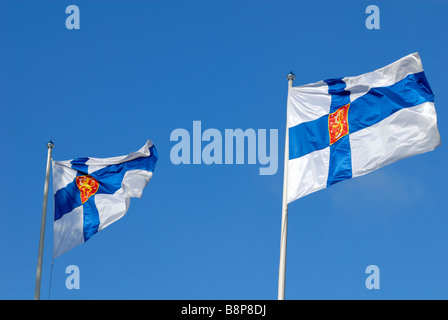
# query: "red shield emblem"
x,y
338,123
87,185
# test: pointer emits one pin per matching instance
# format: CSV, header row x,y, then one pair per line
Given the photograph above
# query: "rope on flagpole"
x,y
51,277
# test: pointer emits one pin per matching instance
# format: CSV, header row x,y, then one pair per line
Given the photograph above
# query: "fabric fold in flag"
x,y
92,193
346,127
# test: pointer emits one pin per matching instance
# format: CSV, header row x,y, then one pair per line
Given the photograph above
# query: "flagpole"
x,y
284,228
50,146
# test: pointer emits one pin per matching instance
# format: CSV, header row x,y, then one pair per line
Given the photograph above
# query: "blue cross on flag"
x,y
92,193
346,127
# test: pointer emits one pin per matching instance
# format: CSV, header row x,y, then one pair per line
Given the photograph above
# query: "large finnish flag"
x,y
347,127
92,193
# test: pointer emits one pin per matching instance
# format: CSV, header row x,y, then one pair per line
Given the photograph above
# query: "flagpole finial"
x,y
290,76
50,144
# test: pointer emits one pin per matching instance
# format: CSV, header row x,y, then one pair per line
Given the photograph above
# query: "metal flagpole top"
x,y
50,144
290,76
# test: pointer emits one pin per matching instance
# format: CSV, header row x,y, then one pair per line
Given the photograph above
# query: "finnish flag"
x,y
346,127
92,193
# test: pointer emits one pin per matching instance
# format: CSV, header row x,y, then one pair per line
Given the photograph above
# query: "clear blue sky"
x,y
140,69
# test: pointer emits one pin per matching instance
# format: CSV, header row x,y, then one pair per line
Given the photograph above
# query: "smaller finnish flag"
x,y
346,127
92,193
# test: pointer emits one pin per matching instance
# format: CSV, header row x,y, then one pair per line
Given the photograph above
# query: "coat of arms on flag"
x,y
92,193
